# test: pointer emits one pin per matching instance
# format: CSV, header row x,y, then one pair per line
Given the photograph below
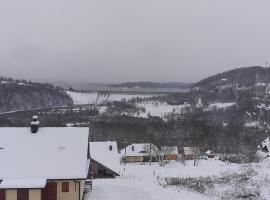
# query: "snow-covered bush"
x,y
227,186
198,184
241,192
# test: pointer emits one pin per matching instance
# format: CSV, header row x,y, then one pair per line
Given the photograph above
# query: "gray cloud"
x,y
128,40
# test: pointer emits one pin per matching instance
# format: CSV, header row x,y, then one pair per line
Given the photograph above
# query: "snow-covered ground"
x,y
80,98
252,124
145,182
123,189
161,109
140,182
220,105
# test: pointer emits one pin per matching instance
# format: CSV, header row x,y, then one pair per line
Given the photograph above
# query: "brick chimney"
x,y
34,124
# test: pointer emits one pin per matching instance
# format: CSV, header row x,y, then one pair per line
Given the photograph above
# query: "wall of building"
x,y
35,194
73,194
76,190
171,157
82,183
134,158
11,194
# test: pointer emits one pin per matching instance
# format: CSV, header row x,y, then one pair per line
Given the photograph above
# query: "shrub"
x,y
227,186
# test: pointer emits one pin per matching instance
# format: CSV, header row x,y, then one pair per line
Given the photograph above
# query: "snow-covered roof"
x,y
191,150
139,149
23,183
169,150
265,143
101,152
208,152
52,153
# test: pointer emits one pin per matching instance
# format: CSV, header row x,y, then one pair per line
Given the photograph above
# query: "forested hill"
x,y
25,95
243,77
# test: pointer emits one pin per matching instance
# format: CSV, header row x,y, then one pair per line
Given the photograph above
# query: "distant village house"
x,y
191,153
210,154
141,152
169,152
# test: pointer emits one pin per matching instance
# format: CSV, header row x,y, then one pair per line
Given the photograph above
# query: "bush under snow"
x,y
227,186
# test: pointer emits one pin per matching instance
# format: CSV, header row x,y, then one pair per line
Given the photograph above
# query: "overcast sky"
x,y
131,40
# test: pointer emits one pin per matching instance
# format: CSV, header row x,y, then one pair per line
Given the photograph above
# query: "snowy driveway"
x,y
118,192
124,189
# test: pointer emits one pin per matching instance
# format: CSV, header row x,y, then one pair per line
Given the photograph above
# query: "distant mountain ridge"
x,y
149,84
243,77
25,95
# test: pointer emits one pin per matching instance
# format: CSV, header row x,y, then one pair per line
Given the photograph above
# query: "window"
x,y
132,148
110,147
65,187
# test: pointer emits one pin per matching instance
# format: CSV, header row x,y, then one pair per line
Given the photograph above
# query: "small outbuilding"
x,y
210,154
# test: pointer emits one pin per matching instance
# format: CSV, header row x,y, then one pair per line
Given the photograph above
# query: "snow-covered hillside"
x,y
96,98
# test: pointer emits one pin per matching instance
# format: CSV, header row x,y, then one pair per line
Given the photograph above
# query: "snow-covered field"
x,y
153,108
80,98
220,105
145,182
162,109
252,124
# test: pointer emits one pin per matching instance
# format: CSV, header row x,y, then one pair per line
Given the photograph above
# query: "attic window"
x,y
265,149
110,147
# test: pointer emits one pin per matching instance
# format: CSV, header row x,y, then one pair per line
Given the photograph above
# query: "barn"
x,y
43,164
